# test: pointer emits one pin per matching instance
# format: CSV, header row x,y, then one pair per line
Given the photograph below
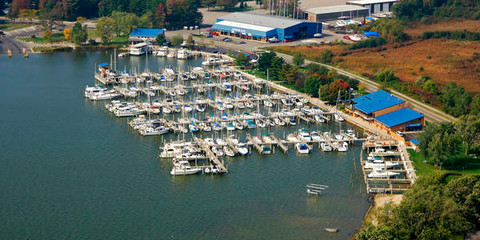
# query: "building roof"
x,y
398,117
336,9
146,32
376,101
261,20
364,2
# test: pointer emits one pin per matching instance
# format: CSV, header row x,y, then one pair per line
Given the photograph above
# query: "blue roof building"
x,y
400,119
145,34
377,103
262,27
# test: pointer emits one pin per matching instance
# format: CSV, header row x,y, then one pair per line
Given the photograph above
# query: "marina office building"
x,y
321,14
139,35
387,111
262,27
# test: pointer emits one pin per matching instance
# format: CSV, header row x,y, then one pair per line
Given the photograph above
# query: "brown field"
x,y
470,25
442,60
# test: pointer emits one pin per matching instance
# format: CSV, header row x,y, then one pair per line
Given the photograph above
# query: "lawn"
x,y
56,38
122,40
465,165
13,26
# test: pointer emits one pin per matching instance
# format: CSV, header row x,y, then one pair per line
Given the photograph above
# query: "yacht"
x,y
228,105
251,123
200,108
287,102
153,131
351,134
183,54
162,52
380,173
380,164
242,148
302,148
184,168
279,122
138,49
171,54
217,127
204,127
166,110
326,147
260,123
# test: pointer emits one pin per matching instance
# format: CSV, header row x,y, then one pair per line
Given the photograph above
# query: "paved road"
x,y
8,41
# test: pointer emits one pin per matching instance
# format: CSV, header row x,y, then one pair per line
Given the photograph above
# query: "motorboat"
x,y
166,110
238,125
162,52
287,102
217,127
228,151
292,138
153,131
217,151
319,118
251,123
338,118
184,168
380,173
260,123
279,122
230,126
315,136
200,108
193,127
302,148
204,127
304,135
342,147
266,150
267,103
187,108
326,147
242,148
350,133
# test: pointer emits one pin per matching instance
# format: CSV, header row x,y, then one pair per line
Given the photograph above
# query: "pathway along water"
x,y
72,170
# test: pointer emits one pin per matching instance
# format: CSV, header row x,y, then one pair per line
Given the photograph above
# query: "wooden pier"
x,y
211,156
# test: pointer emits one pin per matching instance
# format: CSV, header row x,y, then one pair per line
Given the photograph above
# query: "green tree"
x,y
47,35
106,28
177,40
455,99
475,105
79,33
265,60
468,130
242,60
431,87
298,59
386,76
160,39
190,42
390,29
312,84
326,57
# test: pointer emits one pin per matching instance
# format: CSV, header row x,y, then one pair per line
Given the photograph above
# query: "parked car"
x,y
273,40
227,39
241,42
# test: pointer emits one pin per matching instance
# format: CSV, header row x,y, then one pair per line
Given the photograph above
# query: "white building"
x,y
374,6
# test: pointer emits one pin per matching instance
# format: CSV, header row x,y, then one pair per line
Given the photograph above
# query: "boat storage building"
x,y
144,35
262,27
321,14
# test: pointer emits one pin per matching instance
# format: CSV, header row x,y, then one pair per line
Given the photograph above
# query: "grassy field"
x,y
122,40
13,26
442,60
422,167
469,25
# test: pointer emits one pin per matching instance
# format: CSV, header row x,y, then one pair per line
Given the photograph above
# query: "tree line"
x,y
424,9
434,208
169,14
447,143
313,79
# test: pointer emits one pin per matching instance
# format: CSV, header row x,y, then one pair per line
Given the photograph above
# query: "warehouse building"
x,y
403,120
144,35
321,14
374,6
376,104
264,27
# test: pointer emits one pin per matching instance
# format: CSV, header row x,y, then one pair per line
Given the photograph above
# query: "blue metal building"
x,y
144,34
262,27
375,104
404,116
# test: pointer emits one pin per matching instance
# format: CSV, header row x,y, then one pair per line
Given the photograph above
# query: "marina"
x,y
96,158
